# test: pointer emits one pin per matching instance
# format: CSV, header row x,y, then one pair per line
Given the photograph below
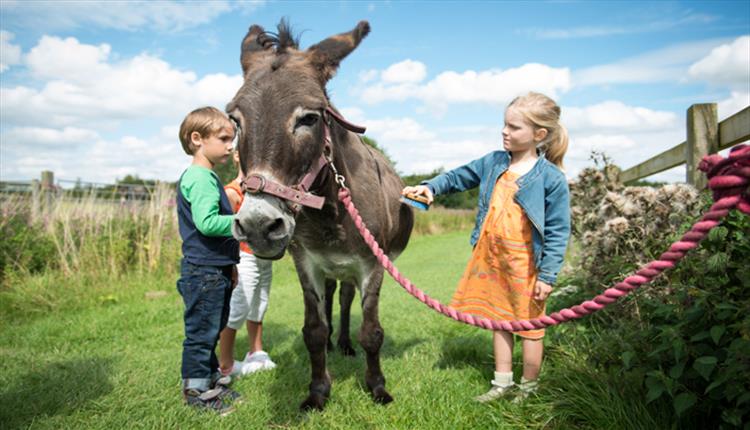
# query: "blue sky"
x,y
97,90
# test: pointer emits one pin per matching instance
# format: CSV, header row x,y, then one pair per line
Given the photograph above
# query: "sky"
x,y
97,90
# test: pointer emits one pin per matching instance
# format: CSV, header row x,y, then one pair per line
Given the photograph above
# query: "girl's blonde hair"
x,y
542,112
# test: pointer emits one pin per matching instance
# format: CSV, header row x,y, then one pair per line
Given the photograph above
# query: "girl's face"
x,y
519,134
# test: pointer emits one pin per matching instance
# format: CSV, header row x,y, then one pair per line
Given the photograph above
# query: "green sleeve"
x,y
199,186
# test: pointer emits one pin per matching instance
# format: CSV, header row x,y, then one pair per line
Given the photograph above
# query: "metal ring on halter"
x,y
260,187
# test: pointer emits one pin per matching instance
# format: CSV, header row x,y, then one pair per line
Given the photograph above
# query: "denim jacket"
x,y
542,194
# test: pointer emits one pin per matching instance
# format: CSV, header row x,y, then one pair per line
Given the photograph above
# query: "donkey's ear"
x,y
327,55
252,45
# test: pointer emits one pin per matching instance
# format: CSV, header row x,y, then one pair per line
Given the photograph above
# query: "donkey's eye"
x,y
308,120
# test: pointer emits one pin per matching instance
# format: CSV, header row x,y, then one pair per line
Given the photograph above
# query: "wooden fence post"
x,y
48,188
35,200
702,140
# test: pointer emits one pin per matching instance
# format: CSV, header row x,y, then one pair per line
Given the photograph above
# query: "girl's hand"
x,y
542,290
420,190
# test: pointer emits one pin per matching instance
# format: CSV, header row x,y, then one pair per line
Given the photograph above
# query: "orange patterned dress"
x,y
500,277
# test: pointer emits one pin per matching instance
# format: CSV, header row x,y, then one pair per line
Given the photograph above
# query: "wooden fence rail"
x,y
705,135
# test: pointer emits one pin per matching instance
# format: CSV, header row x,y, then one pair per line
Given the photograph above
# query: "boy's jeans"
x,y
206,291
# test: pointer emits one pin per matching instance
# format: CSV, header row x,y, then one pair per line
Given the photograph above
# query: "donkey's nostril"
x,y
275,229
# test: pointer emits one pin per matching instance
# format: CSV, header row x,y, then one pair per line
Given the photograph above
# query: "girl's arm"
x,y
556,230
459,179
233,197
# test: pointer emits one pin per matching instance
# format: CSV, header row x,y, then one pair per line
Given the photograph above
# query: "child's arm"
x,y
556,231
233,197
203,194
459,179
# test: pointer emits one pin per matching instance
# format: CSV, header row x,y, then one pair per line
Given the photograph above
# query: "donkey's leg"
x,y
315,334
330,290
346,296
371,335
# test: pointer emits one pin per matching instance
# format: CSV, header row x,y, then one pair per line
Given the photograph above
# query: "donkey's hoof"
x,y
380,395
347,349
314,401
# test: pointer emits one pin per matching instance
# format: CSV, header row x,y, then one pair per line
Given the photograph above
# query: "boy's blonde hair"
x,y
207,121
542,112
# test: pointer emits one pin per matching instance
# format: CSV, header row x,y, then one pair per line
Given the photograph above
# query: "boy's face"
x,y
216,148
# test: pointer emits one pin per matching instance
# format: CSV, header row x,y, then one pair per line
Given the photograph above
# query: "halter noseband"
x,y
299,195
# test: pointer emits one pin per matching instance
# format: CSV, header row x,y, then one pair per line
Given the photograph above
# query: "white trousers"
x,y
250,297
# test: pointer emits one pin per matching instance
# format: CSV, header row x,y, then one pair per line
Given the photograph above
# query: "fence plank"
x,y
735,129
702,140
666,160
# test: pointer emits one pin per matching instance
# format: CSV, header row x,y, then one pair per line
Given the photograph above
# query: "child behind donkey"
x,y
249,301
207,270
521,232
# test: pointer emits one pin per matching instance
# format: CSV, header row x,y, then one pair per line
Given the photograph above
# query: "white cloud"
x,y
96,90
404,72
737,101
495,87
368,75
81,153
162,15
727,64
80,102
668,64
49,137
399,129
10,54
616,116
627,134
688,18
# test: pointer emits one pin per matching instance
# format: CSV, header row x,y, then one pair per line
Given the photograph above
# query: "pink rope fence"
x,y
728,180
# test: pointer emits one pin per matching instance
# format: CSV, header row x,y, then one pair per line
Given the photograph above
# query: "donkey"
x,y
295,150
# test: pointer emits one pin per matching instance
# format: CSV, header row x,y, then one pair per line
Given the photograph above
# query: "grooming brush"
x,y
417,201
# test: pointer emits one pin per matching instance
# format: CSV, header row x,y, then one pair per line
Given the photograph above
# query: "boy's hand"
x,y
235,276
542,290
420,190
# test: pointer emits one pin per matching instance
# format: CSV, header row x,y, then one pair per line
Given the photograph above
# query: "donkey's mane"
x,y
283,39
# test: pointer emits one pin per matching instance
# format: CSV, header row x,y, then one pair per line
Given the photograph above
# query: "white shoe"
x,y
236,371
494,393
259,360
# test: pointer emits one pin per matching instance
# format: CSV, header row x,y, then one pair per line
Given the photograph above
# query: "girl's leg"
x,y
503,346
532,358
255,336
502,343
226,349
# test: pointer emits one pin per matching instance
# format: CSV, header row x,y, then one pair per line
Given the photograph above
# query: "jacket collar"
x,y
530,176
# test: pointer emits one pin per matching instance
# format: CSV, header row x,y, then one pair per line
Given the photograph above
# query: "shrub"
x,y
688,336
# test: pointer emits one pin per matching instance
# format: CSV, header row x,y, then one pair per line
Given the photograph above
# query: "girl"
x,y
249,301
521,231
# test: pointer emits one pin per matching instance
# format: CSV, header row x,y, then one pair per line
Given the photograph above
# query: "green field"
x,y
111,358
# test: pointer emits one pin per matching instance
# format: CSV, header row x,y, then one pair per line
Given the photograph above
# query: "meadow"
x,y
90,337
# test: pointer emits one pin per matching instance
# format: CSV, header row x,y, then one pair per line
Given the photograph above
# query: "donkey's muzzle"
x,y
265,224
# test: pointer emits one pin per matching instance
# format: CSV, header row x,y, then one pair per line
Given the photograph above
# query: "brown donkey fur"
x,y
280,109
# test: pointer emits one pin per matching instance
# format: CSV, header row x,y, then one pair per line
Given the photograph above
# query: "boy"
x,y
208,271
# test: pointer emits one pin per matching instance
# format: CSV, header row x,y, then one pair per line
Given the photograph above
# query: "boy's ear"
x,y
196,138
327,55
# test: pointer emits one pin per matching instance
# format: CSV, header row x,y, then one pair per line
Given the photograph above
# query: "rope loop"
x,y
728,179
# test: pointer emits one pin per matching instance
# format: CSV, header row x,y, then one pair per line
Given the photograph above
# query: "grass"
x,y
109,357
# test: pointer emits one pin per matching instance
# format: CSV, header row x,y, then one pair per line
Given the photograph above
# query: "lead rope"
x,y
728,179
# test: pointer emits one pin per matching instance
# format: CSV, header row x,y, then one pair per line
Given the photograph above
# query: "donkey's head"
x,y
280,109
